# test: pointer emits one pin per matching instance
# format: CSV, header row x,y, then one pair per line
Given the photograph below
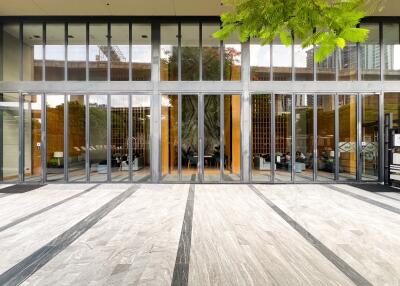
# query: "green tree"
x,y
328,24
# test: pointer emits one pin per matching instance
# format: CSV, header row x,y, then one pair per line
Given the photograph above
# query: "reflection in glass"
x,y
392,105
232,145
326,70
261,137
119,52
140,138
55,137
212,138
32,137
141,52
119,137
370,137
347,136
9,136
55,52
76,51
76,138
391,51
211,53
169,52
304,137
260,61
281,61
283,137
33,52
169,138
347,60
98,137
232,58
303,62
98,52
370,54
11,52
326,137
190,153
190,51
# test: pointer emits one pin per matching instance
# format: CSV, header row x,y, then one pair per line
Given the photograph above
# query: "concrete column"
x,y
246,112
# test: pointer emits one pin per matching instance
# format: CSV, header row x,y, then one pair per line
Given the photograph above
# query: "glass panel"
x,y
347,137
141,52
370,54
326,137
141,137
119,137
283,137
32,137
33,52
189,137
260,61
98,137
169,52
55,137
212,138
119,52
11,52
55,52
347,60
76,138
261,137
326,70
98,52
392,105
232,58
370,137
304,137
190,51
76,52
169,138
232,142
303,62
281,61
391,51
211,53
9,136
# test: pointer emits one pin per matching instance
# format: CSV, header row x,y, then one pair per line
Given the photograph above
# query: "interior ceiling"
x,y
131,8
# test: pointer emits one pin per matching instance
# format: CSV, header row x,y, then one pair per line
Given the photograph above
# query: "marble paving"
x,y
186,234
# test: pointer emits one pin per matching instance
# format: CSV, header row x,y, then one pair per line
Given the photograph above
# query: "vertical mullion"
x,y
44,138
200,122
200,51
21,140
381,51
337,153
44,52
179,137
66,127
272,128
130,137
381,138
108,51
87,51
315,137
109,138
292,51
87,137
359,164
359,60
293,127
21,54
337,51
65,51
221,58
130,61
271,61
179,52
222,137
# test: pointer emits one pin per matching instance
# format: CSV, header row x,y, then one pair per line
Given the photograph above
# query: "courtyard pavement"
x,y
187,234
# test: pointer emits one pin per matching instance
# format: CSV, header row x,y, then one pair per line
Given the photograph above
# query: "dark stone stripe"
x,y
345,268
4,195
19,189
365,199
181,269
29,216
24,269
378,190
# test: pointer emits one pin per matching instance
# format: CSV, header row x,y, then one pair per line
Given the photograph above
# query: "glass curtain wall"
x,y
326,137
232,58
76,138
370,54
347,61
119,52
326,70
33,52
55,52
55,137
169,52
76,52
190,52
347,136
283,137
119,137
304,160
98,52
232,137
98,164
261,116
370,137
9,137
11,52
392,106
391,51
303,62
281,61
169,138
260,61
141,52
211,53
32,137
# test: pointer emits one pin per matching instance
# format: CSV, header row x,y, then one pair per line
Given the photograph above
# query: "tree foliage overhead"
x,y
328,24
